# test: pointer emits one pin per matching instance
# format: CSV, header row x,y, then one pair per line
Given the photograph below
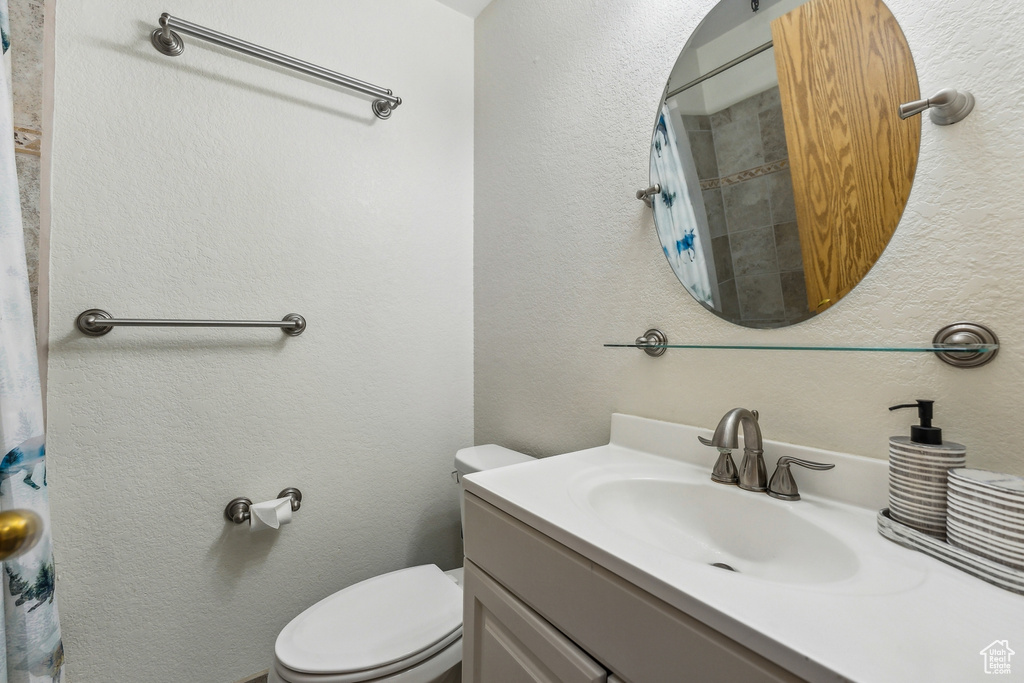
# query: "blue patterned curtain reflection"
x,y
673,214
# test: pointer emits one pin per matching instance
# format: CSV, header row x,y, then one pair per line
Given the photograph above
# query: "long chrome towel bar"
x,y
714,72
96,323
166,41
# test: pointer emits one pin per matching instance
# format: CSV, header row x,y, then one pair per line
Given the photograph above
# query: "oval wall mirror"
x,y
783,163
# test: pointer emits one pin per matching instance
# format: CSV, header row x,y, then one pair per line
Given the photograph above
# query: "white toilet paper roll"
x,y
270,514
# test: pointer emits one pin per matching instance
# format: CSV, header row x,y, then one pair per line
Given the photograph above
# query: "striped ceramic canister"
x,y
918,476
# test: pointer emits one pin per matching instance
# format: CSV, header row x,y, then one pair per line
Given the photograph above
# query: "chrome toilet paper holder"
x,y
237,510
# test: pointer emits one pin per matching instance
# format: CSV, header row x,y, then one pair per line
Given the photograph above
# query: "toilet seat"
x,y
374,628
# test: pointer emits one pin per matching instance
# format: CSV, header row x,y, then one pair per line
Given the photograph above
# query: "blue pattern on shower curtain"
x,y
30,647
674,216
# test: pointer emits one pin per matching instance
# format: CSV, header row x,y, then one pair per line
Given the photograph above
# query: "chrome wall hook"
x,y
947,107
645,195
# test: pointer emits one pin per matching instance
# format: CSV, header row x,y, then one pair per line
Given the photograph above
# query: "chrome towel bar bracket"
x,y
96,323
167,41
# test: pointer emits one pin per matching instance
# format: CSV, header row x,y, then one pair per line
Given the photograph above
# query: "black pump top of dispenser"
x,y
924,432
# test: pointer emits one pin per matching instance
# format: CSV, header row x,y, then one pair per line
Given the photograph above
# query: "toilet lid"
x,y
375,622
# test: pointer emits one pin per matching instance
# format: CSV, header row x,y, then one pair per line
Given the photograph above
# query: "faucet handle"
x,y
782,484
809,464
724,471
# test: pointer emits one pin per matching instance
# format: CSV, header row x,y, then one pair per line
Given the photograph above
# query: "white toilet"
x,y
401,627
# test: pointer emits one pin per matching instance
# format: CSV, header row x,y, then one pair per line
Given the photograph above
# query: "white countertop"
x,y
901,616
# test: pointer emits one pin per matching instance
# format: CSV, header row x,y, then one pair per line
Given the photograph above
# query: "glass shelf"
x,y
929,348
963,345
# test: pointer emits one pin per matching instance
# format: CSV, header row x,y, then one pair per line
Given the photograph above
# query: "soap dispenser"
x,y
918,469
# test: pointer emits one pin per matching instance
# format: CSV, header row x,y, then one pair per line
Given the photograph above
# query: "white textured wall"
x,y
214,186
566,259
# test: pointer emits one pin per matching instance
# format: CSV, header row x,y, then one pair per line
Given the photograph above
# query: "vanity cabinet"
x,y
510,643
537,611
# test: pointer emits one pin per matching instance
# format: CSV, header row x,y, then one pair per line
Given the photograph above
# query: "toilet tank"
x,y
479,458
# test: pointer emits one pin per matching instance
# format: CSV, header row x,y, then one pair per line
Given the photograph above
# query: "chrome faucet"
x,y
752,473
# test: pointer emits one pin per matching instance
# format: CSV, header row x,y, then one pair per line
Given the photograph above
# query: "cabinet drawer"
x,y
504,641
639,637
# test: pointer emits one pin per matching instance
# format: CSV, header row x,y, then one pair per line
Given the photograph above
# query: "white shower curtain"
x,y
30,649
673,213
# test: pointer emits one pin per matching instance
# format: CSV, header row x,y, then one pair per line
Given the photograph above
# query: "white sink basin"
x,y
708,523
816,589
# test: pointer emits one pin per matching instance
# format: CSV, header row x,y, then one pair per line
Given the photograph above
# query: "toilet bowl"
x,y
400,627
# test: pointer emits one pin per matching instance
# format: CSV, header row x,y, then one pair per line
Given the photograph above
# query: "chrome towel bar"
x,y
168,42
725,67
96,323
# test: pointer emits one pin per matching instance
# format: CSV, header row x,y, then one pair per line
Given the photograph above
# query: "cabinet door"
x,y
504,641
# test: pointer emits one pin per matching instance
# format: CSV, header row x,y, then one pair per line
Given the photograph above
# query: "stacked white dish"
x,y
986,515
917,483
